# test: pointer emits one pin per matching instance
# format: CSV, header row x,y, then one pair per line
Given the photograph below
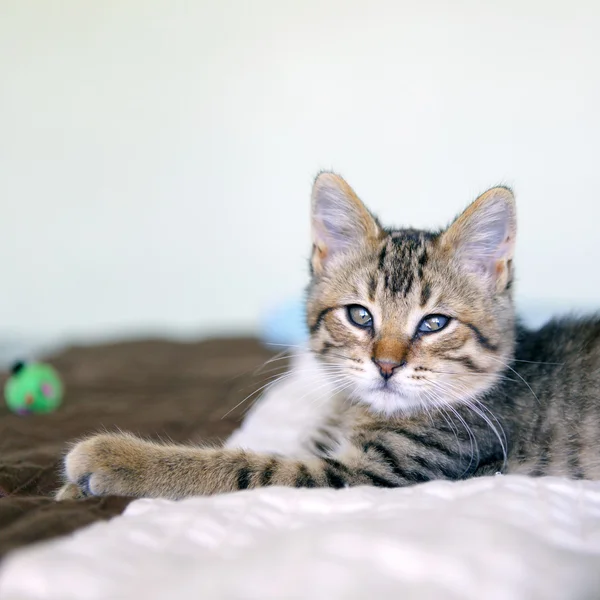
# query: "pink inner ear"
x,y
47,390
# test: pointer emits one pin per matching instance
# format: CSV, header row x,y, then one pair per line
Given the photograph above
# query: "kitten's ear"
x,y
483,237
340,221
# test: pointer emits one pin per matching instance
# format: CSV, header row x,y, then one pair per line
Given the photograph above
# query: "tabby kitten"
x,y
440,381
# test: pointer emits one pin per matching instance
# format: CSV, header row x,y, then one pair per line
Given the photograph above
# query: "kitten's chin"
x,y
390,402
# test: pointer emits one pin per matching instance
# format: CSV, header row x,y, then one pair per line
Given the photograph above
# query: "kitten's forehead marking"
x,y
401,260
396,283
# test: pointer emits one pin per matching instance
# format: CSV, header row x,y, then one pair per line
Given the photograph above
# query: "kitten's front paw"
x,y
105,465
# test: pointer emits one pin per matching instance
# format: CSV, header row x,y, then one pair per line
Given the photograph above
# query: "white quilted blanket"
x,y
495,538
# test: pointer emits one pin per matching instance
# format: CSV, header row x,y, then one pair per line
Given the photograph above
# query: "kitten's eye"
x,y
359,316
433,323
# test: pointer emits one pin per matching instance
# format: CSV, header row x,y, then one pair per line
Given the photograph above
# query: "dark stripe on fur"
x,y
538,436
485,342
435,470
422,262
377,480
372,286
304,478
539,470
386,456
328,346
544,454
337,465
321,448
243,478
324,442
267,475
466,362
408,283
427,442
334,473
315,326
333,479
575,470
382,256
425,293
491,463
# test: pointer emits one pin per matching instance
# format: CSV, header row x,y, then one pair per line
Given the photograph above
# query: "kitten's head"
x,y
411,318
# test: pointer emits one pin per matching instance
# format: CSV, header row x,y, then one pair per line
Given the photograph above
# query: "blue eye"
x,y
433,323
359,316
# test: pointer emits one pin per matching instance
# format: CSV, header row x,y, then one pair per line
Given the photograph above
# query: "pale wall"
x,y
156,157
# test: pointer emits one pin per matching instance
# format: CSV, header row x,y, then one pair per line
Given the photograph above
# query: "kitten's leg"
x,y
121,464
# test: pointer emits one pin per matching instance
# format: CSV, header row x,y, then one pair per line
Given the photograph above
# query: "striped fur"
x,y
481,395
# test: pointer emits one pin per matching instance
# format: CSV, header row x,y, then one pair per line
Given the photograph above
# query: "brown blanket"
x,y
158,389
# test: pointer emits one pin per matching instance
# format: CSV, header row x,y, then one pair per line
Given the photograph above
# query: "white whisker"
x,y
461,395
475,455
518,375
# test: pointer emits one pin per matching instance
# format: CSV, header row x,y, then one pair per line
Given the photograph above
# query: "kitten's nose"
x,y
387,367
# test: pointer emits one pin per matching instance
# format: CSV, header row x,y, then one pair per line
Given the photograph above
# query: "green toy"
x,y
33,388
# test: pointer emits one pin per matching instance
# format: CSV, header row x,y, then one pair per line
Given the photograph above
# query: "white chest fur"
x,y
287,416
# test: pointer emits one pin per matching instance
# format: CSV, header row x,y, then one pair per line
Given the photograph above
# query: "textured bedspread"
x,y
498,538
155,388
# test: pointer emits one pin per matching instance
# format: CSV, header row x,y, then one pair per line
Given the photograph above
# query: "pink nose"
x,y
387,367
